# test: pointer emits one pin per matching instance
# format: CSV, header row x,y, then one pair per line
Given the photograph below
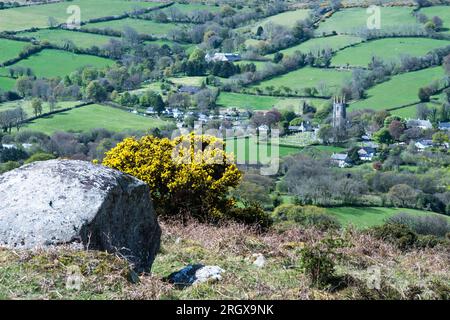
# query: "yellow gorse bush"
x,y
190,174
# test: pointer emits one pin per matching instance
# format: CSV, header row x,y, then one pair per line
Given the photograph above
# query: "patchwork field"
x,y
26,106
187,8
6,84
37,16
364,217
318,44
286,19
355,19
442,12
390,50
94,116
400,90
60,37
254,102
56,63
308,78
10,49
141,26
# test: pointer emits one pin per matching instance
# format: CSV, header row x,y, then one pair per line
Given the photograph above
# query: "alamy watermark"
x,y
374,19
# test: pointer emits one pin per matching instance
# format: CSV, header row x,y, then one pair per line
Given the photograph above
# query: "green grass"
x,y
308,78
188,8
57,63
248,151
60,37
364,217
442,12
318,44
355,19
37,16
254,102
7,84
389,49
10,49
400,90
26,106
94,116
141,26
286,19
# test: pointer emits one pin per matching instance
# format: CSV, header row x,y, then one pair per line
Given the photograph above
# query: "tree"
x,y
259,31
36,105
440,138
189,175
96,92
383,136
402,195
396,129
153,100
438,23
424,94
446,64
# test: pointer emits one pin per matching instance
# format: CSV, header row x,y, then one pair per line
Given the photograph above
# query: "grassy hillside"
x,y
308,78
400,90
355,19
26,106
319,44
7,83
94,116
442,12
141,26
390,50
56,63
37,16
254,102
60,37
363,217
10,49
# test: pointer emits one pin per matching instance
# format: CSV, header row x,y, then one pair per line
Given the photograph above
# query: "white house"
x,y
223,57
423,144
444,126
421,124
366,153
341,159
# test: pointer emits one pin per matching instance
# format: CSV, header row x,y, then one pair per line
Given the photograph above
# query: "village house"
x,y
422,145
444,126
421,124
341,160
304,127
223,57
366,153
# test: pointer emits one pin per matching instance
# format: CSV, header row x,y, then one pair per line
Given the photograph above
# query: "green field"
x,y
7,84
187,8
37,16
400,90
364,217
254,102
10,49
308,78
94,116
60,37
390,50
188,81
442,12
355,19
248,151
286,19
26,106
318,44
57,63
141,26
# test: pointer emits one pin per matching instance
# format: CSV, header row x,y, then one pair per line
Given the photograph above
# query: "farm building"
x,y
421,124
341,159
223,57
366,153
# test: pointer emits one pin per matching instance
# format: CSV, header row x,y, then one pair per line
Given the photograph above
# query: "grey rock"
x,y
260,260
195,274
56,202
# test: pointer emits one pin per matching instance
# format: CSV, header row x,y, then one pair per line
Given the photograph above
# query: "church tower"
x,y
339,113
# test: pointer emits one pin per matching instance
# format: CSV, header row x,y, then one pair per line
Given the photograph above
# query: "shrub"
x,y
308,216
425,225
252,214
40,156
188,175
318,261
397,234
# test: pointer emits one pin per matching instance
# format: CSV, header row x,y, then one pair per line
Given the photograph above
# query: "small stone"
x,y
195,274
260,260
